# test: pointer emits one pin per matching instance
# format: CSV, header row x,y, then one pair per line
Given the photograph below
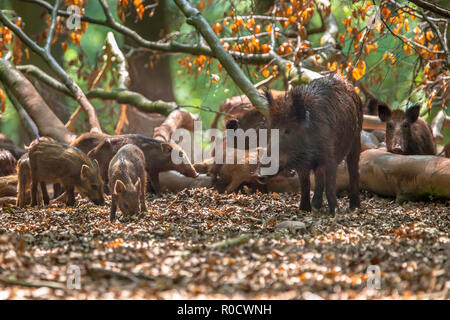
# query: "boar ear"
x,y
137,185
165,147
84,171
298,107
384,112
119,187
232,124
372,106
95,163
268,95
413,113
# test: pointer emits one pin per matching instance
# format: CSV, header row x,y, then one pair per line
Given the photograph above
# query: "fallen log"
x,y
179,118
8,186
172,181
405,177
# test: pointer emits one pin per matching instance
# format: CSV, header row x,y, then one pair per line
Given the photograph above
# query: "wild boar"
x,y
54,162
88,141
447,150
157,156
127,181
7,163
319,125
406,133
24,176
229,177
7,144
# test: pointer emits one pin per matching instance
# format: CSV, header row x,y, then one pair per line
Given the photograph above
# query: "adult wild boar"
x,y
406,133
158,156
88,141
320,125
54,162
127,181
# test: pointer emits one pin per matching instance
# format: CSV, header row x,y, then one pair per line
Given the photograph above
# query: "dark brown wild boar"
x,y
319,125
127,181
88,141
406,133
157,156
54,162
447,150
237,107
7,163
7,144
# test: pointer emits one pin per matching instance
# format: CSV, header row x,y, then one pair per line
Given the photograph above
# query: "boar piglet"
x,y
127,181
88,141
7,163
406,133
157,156
229,177
24,174
54,162
319,125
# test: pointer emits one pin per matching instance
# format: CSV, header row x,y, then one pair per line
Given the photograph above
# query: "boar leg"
x,y
142,192
70,195
57,190
45,196
305,187
330,178
319,181
21,186
112,214
353,173
34,187
235,183
154,180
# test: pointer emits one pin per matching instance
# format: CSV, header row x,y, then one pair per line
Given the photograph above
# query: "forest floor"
x,y
200,244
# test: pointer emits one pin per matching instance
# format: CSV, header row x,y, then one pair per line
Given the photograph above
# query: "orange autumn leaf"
x,y
265,73
2,100
265,48
359,70
217,28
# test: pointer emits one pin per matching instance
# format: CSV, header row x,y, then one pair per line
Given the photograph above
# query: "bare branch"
x,y
51,31
432,7
195,18
61,73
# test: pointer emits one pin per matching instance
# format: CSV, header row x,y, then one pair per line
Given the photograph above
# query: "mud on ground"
x,y
200,244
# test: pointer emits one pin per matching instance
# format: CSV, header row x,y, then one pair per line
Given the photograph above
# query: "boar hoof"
x,y
305,207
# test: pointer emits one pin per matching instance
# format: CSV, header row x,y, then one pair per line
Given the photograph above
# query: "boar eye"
x,y
94,187
287,131
389,125
405,125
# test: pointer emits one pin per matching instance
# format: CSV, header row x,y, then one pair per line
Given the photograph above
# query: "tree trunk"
x,y
25,93
150,75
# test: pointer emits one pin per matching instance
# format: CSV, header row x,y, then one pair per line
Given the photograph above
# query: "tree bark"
x,y
195,18
177,119
46,121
